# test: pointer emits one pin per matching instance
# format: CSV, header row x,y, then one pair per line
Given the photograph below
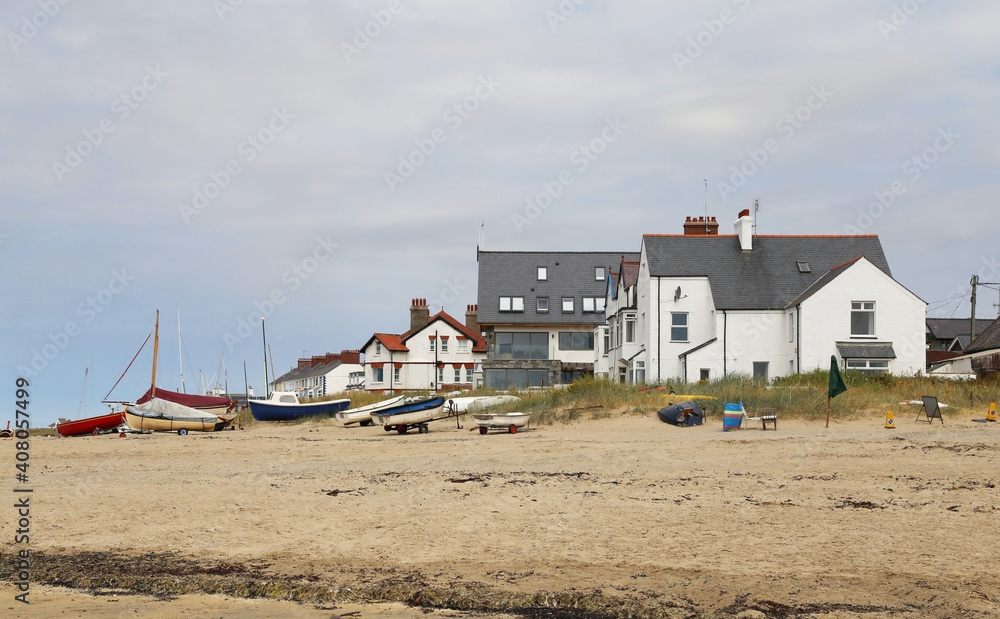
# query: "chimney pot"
x,y
419,316
701,226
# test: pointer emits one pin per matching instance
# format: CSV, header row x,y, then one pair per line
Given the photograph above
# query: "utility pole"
x,y
972,331
975,282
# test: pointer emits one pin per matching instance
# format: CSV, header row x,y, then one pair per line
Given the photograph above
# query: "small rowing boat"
x,y
91,425
409,414
363,414
509,421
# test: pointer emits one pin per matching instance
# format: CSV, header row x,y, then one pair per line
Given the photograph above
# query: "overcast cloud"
x,y
343,156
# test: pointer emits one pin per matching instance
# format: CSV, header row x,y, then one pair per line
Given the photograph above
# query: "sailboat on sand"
x,y
158,409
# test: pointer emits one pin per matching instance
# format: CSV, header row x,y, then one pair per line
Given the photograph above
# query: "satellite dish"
x,y
677,294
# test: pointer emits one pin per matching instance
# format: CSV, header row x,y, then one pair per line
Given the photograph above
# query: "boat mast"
x,y
180,353
156,349
263,334
84,390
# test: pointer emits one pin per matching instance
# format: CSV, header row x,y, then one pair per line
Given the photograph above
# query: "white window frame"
x,y
588,304
458,375
378,347
378,375
539,301
444,344
433,343
511,304
599,274
396,374
567,302
867,308
543,274
463,345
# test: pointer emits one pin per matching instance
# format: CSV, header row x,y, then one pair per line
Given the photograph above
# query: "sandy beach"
x,y
617,516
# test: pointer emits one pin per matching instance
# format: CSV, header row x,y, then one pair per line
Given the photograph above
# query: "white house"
x,y
709,305
620,343
319,376
437,353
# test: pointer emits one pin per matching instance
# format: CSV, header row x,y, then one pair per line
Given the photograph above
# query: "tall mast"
x,y
263,334
156,350
85,372
180,353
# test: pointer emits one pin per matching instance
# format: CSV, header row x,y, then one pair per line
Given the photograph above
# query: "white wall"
x,y
336,379
418,370
775,336
899,319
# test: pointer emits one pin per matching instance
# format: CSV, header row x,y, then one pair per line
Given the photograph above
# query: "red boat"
x,y
92,425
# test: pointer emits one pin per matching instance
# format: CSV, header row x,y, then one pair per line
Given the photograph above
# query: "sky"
x,y
322,164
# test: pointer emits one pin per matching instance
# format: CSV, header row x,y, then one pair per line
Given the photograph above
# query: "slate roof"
x,y
987,340
950,328
570,274
306,372
768,277
866,350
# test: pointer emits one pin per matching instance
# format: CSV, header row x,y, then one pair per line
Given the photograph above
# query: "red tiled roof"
x,y
397,343
390,341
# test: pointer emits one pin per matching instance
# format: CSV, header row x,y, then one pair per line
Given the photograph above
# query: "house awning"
x,y
866,350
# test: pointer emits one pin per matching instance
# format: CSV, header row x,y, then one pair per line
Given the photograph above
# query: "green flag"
x,y
837,385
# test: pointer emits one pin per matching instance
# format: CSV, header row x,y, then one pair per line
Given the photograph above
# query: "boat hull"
x,y
410,413
90,425
364,413
165,424
501,420
271,411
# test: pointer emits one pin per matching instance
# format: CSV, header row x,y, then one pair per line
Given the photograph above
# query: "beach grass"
x,y
801,396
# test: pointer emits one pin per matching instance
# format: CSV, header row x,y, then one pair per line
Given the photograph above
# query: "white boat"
x,y
363,414
479,403
409,414
509,421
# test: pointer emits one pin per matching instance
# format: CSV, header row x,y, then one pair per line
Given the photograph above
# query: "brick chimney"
x,y
350,357
701,226
304,363
419,315
472,319
744,230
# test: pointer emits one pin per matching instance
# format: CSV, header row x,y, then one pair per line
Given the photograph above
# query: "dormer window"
x,y
803,266
511,304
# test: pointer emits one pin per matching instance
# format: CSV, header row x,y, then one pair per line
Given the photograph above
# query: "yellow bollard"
x,y
889,423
